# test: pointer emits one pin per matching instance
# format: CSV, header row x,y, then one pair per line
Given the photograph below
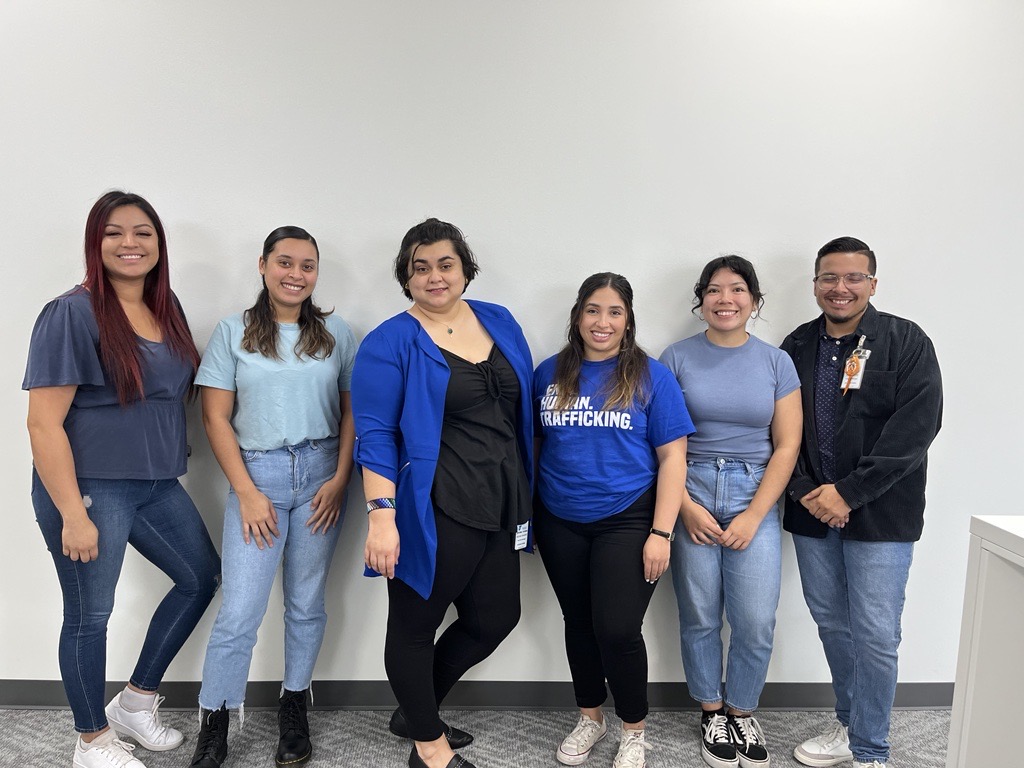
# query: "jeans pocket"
x,y
252,455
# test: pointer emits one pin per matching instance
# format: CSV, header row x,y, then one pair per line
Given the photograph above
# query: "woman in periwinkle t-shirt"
x,y
612,464
744,396
109,366
275,382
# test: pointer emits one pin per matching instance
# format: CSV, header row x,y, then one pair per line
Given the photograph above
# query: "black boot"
x,y
212,746
294,746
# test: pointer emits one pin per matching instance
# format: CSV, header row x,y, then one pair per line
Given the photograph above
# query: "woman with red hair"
x,y
110,364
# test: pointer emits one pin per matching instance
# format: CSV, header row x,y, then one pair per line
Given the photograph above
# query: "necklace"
x,y
448,328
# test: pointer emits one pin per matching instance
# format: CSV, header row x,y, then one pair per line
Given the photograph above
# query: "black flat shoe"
x,y
415,761
457,738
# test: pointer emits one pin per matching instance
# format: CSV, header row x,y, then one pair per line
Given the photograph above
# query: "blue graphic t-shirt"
x,y
594,463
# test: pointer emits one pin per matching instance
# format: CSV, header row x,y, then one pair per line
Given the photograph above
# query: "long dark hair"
x,y
261,324
119,345
632,380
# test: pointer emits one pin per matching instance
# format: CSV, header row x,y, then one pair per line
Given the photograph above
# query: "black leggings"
x,y
478,571
597,571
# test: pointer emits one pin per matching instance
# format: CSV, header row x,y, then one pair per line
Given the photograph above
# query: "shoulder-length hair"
x,y
632,380
261,324
119,345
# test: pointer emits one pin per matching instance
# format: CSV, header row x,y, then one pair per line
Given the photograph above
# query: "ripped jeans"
x,y
158,518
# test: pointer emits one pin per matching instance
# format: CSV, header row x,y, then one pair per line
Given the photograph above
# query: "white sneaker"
x,y
575,747
872,764
145,726
632,750
830,748
105,751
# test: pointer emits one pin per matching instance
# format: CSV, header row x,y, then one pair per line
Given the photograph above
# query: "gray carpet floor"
x,y
45,739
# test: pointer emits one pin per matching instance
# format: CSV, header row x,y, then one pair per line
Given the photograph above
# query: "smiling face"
x,y
131,246
727,304
436,280
290,272
602,324
843,304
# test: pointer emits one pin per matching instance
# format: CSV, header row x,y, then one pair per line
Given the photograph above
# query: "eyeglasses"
x,y
852,280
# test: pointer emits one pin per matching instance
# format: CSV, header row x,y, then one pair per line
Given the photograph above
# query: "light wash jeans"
x,y
855,591
745,584
159,520
289,477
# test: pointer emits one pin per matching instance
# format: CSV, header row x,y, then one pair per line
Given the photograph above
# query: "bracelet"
x,y
384,503
670,535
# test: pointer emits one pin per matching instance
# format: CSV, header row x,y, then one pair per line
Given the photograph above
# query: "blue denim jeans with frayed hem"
x,y
290,477
855,591
744,584
158,518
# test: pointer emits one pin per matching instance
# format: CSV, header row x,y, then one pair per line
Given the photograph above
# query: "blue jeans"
x,y
158,518
745,584
290,478
855,591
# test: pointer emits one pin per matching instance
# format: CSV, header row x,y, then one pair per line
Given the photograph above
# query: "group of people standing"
x,y
616,467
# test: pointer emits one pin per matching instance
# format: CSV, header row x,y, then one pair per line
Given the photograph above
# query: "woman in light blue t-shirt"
x,y
276,408
744,396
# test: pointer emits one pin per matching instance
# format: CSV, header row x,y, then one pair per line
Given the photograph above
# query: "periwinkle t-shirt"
x,y
279,402
144,440
594,462
731,394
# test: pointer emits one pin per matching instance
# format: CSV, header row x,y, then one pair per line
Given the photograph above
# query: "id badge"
x,y
853,371
522,535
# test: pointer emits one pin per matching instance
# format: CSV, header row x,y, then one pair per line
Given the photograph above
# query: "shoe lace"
x,y
291,714
716,730
117,752
585,732
750,730
833,737
631,750
154,715
211,736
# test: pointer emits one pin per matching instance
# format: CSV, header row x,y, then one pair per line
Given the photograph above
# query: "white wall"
x,y
564,138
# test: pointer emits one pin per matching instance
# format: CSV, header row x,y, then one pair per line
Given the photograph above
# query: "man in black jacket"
x,y
872,400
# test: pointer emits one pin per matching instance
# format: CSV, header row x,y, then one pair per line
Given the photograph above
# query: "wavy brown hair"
x,y
261,333
631,383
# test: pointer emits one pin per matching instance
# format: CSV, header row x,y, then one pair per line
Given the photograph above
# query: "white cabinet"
x,y
990,665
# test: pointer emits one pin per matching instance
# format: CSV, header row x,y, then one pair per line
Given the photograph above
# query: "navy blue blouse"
x,y
144,440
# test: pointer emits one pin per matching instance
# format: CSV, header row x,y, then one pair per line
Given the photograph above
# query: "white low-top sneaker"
x,y
145,726
575,747
830,748
105,751
632,751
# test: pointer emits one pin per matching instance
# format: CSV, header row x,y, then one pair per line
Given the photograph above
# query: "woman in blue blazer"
x,y
441,396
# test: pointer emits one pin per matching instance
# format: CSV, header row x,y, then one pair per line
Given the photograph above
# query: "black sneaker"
x,y
294,746
212,745
748,738
716,746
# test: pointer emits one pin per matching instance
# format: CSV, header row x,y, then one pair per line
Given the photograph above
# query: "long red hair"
x,y
119,347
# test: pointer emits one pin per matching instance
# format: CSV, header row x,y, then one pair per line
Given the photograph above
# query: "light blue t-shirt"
x,y
731,394
279,402
593,462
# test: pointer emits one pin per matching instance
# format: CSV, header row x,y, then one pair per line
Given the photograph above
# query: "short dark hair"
x,y
427,233
733,263
846,245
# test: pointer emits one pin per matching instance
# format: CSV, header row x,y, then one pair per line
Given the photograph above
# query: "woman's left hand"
x,y
740,531
656,554
326,505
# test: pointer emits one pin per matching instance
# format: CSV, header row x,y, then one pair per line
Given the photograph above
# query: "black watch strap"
x,y
670,535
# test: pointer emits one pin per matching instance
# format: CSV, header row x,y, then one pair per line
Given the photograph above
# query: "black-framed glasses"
x,y
852,280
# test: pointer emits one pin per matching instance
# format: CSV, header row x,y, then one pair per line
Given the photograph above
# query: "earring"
x,y
701,315
753,315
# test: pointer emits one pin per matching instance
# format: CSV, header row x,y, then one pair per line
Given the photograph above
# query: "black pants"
x,y
478,571
597,571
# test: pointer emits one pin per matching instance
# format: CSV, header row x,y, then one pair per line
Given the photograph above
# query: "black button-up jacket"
x,y
883,431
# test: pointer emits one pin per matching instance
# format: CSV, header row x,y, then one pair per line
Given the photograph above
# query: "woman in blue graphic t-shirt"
x,y
109,366
612,427
275,382
744,396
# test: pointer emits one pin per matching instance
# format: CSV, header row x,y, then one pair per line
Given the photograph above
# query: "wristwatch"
x,y
670,535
